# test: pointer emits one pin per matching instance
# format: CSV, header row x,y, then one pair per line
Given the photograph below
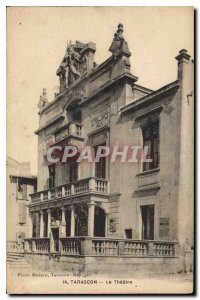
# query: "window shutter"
x,y
24,191
22,213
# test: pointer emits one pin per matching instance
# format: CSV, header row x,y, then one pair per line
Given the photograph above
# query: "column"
x,y
72,129
41,224
48,223
92,169
106,224
63,226
30,225
91,209
72,222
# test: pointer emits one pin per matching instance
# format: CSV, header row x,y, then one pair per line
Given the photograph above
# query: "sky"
x,y
36,43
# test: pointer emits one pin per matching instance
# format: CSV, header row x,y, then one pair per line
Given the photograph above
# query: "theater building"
x,y
121,212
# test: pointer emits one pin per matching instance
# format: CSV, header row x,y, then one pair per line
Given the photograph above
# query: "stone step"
x,y
17,263
15,259
15,254
11,266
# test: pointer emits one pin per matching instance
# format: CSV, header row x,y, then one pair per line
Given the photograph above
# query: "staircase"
x,y
16,260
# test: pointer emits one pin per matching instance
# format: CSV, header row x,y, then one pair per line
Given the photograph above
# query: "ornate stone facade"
x,y
131,209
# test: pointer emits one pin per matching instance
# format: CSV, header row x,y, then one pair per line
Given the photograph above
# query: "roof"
x,y
31,177
152,96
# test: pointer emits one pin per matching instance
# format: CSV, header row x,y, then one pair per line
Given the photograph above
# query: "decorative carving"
x,y
43,100
75,63
50,139
112,225
100,120
119,44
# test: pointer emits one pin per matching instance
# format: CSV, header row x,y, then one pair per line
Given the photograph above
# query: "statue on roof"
x,y
119,44
43,100
77,61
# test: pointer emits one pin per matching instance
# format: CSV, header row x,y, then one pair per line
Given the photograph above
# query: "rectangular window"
x,y
151,140
147,216
34,224
21,189
45,224
128,233
76,117
100,166
51,176
73,171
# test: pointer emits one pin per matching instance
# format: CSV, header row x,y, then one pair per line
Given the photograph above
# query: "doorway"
x,y
55,239
99,222
147,216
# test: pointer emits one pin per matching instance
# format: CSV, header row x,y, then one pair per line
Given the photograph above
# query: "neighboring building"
x,y
124,209
20,183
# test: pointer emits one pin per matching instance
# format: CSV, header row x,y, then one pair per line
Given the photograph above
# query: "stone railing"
x,y
93,246
136,248
70,129
70,246
105,247
161,249
79,187
101,185
15,246
36,197
37,245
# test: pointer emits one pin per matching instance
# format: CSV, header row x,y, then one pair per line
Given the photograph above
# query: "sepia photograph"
x,y
100,150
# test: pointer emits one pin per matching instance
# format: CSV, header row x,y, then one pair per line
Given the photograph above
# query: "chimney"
x,y
88,52
183,58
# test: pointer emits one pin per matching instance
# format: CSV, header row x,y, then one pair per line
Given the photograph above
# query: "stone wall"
x,y
128,266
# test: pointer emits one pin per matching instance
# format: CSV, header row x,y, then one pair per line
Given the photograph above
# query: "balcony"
x,y
69,130
84,186
93,246
148,180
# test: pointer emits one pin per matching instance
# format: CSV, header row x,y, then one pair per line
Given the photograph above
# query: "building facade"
x,y
109,208
20,183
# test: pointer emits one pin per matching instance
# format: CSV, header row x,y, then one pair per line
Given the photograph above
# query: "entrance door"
x,y
55,239
99,222
147,215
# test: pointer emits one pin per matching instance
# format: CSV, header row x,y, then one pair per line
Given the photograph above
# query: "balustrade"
x,y
163,249
104,247
136,248
74,129
78,187
70,246
101,185
36,197
101,247
42,245
81,186
78,130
